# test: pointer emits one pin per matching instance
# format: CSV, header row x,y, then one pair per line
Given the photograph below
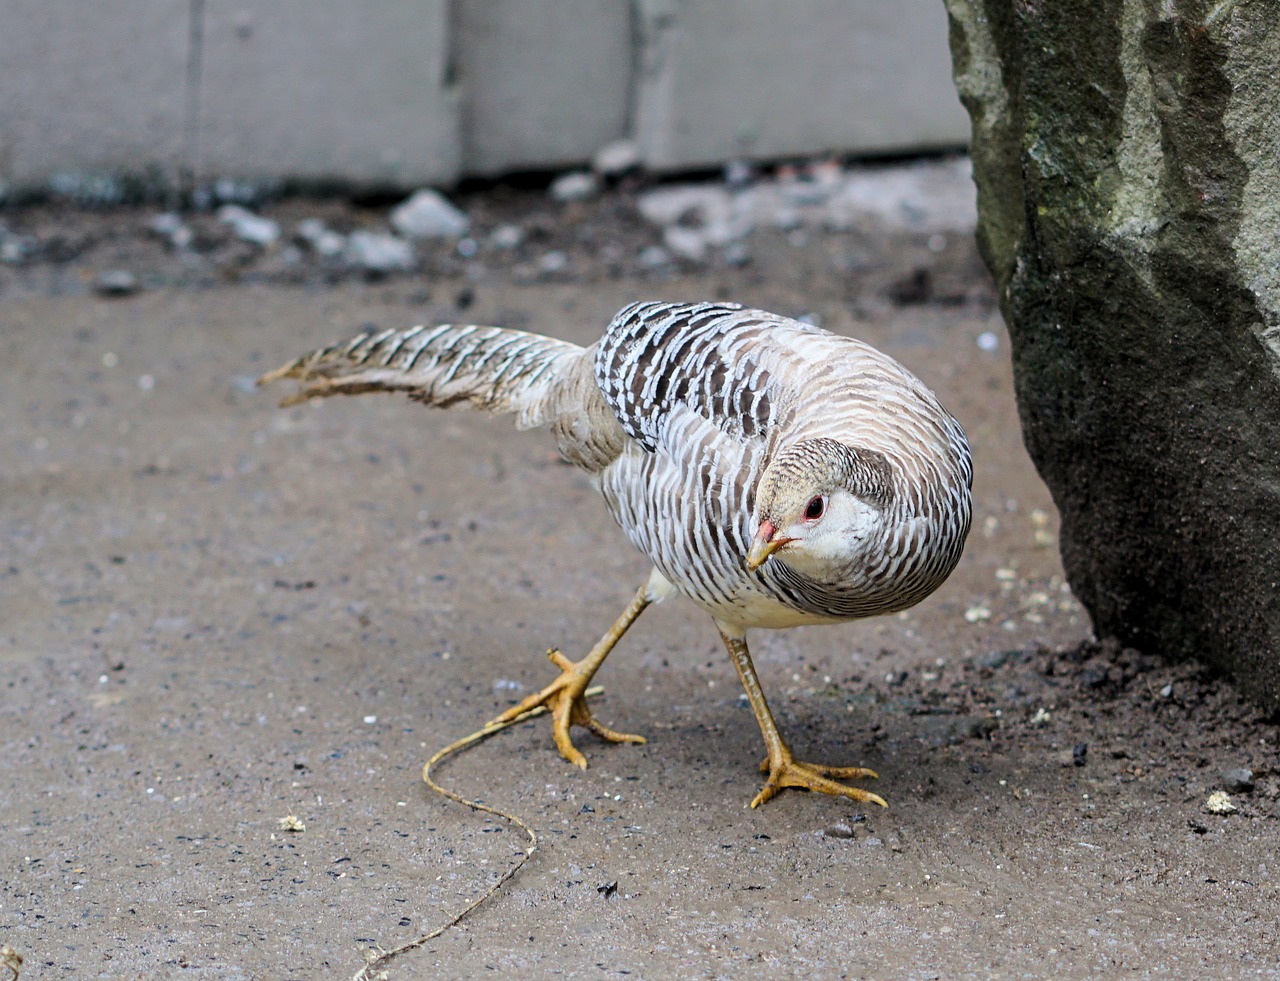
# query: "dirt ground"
x,y
215,614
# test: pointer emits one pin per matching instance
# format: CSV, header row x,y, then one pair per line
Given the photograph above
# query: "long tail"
x,y
491,367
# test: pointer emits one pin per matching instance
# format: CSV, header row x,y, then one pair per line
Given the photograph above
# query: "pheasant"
x,y
774,473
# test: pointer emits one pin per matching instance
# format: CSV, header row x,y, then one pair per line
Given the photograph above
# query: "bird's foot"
x,y
786,771
565,700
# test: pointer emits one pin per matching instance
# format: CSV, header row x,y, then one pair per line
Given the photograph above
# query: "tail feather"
x,y
493,368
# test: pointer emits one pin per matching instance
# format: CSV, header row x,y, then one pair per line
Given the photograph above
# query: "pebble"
x,y
1219,803
324,241
169,226
427,214
839,830
616,158
1238,780
14,248
116,282
506,237
654,257
379,252
576,186
687,243
553,262
249,227
998,659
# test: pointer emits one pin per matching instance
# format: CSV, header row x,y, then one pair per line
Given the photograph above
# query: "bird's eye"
x,y
813,511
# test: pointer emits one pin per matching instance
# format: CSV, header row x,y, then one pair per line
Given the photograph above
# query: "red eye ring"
x,y
814,509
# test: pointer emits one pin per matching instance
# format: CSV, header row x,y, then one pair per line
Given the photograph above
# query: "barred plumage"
x,y
775,473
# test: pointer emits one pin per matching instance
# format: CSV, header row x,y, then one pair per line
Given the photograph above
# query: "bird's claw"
x,y
565,700
789,772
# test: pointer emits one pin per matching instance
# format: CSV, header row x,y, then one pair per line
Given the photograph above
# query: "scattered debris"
x,y
291,822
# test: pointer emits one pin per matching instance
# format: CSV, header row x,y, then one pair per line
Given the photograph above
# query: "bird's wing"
x,y
720,361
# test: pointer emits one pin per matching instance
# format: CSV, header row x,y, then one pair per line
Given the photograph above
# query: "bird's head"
x,y
817,503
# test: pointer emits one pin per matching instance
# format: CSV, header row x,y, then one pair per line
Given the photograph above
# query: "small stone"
x,y
1219,803
1238,779
427,214
116,282
553,262
379,253
997,659
654,257
616,158
738,173
249,227
736,254
576,186
1080,754
324,241
506,237
170,226
839,830
688,243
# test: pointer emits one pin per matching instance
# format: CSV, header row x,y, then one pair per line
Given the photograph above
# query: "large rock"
x,y
1128,170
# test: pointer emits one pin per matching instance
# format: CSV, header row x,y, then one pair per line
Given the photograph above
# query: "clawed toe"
x,y
565,700
788,772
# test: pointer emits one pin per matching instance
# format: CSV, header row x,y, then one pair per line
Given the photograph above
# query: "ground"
x,y
217,615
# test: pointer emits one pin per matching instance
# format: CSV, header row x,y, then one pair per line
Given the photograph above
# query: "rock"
x,y
506,237
1238,780
688,243
379,253
15,249
323,241
702,203
553,262
616,158
577,186
116,282
427,214
654,257
695,218
249,227
838,830
1128,217
169,226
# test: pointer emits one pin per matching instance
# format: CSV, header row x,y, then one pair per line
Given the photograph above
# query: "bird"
x,y
773,472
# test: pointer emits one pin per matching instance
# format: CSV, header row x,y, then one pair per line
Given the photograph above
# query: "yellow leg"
x,y
564,698
783,768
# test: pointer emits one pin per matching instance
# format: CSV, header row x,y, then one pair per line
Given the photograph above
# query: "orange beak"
x,y
764,544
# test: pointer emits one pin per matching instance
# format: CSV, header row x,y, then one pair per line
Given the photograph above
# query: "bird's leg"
x,y
564,698
783,768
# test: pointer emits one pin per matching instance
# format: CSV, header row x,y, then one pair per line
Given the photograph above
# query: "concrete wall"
x,y
411,92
